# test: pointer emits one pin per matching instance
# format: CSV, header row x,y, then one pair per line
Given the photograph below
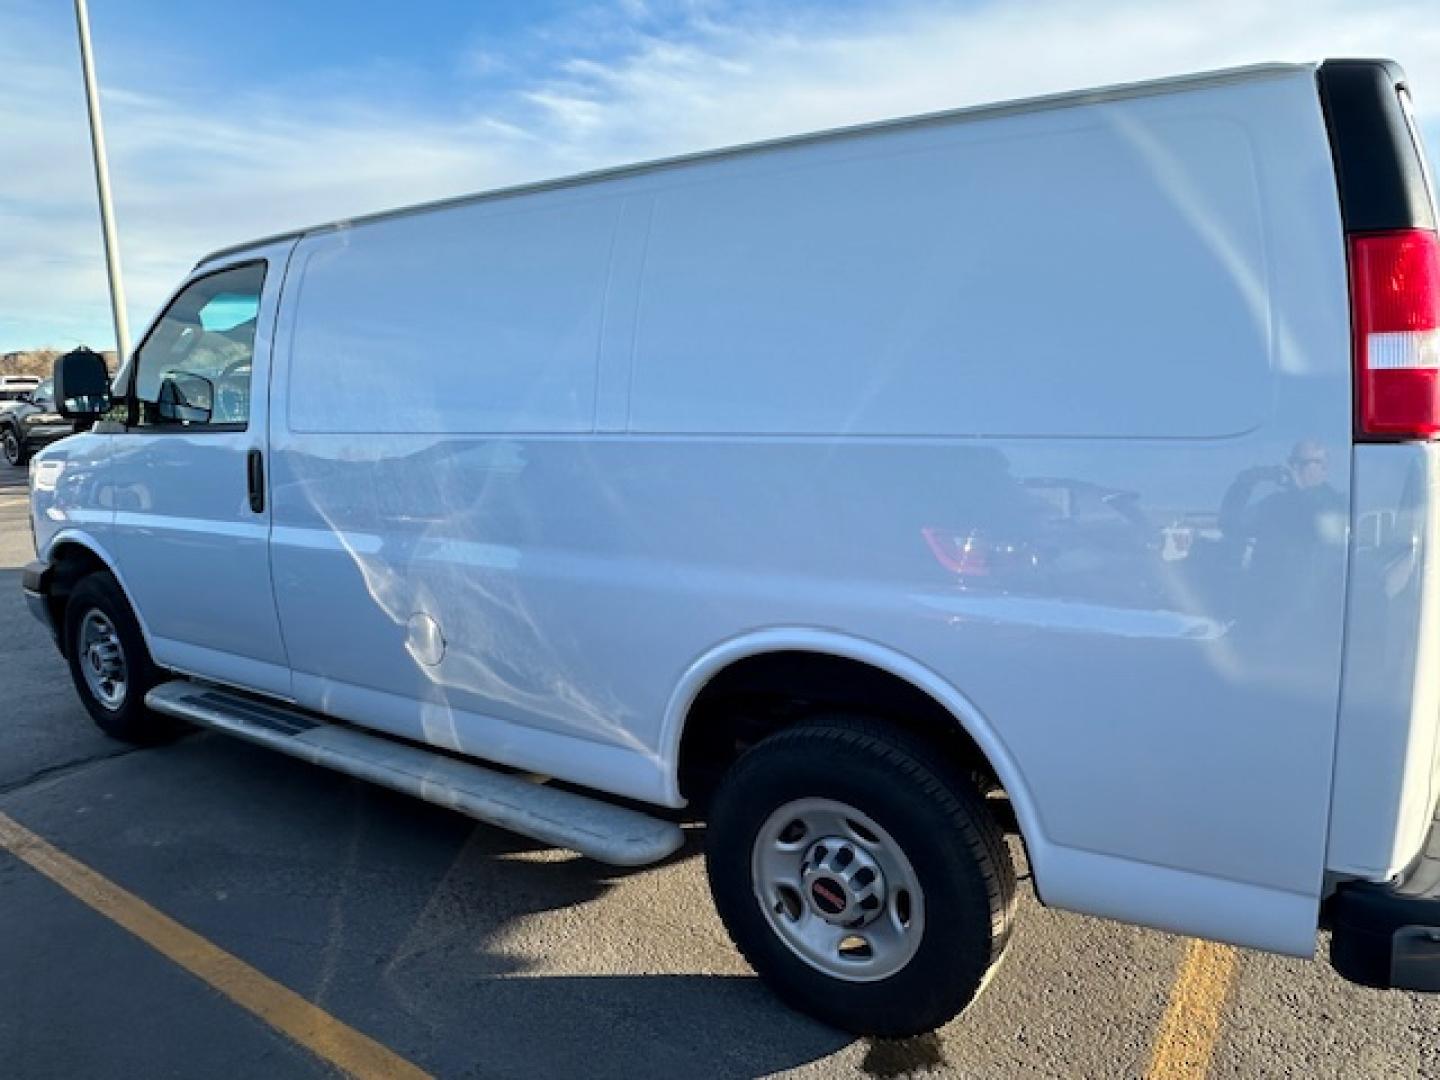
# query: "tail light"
x,y
1395,312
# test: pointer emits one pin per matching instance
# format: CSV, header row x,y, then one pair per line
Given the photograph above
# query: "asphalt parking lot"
x,y
462,951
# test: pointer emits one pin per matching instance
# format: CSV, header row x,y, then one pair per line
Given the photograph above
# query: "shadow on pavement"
x,y
465,949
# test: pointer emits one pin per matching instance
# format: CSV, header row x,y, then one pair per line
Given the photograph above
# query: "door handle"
x,y
255,474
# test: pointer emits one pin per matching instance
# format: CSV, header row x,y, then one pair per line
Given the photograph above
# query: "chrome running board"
x,y
601,830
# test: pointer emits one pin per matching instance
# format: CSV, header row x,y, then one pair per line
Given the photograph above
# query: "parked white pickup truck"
x,y
1064,466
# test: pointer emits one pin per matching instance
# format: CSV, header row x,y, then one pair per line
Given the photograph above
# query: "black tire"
x,y
12,447
937,818
129,719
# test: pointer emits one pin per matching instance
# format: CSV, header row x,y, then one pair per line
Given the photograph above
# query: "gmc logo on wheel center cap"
x,y
829,897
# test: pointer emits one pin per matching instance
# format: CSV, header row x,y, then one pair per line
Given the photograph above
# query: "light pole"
x,y
102,185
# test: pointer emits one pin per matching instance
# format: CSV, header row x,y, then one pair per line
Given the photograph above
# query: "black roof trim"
x,y
1377,163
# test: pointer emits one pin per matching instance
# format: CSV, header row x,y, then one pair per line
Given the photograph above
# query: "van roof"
x,y
1068,99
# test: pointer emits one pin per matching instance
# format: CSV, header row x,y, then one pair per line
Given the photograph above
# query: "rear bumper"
x,y
1388,935
35,582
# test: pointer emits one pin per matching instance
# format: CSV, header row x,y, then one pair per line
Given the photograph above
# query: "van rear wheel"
x,y
863,879
109,663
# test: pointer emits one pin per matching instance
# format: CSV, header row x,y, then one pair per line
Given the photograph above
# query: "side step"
x,y
601,830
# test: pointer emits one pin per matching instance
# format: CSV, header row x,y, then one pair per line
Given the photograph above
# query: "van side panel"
x,y
482,319
1386,751
1087,273
1140,600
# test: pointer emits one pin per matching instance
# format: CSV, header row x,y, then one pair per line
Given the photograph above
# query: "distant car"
x,y
15,387
29,421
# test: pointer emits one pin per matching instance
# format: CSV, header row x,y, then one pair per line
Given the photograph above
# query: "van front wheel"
x,y
862,878
109,663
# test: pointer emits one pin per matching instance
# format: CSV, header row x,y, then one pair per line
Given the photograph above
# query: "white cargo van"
x,y
1062,467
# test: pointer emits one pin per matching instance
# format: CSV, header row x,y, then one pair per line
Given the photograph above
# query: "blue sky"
x,y
230,122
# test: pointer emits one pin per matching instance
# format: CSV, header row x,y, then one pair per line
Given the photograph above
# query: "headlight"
x,y
44,475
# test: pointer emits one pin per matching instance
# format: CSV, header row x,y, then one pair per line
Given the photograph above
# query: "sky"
x,y
225,123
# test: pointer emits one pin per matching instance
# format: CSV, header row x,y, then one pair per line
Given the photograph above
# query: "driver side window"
x,y
193,371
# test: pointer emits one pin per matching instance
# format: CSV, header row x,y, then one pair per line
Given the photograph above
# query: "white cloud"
x,y
190,177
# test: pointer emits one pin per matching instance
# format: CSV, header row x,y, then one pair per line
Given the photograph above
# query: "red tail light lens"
x,y
1395,311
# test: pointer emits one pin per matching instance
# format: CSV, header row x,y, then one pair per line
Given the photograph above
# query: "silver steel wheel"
x,y
838,890
11,447
102,659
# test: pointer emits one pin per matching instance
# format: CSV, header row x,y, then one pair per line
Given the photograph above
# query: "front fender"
x,y
69,493
68,544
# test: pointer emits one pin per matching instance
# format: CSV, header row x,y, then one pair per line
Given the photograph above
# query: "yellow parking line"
x,y
1185,1040
283,1009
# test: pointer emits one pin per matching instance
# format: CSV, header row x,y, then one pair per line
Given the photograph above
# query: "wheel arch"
x,y
73,555
948,701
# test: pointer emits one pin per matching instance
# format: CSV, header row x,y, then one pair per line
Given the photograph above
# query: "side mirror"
x,y
185,398
82,385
